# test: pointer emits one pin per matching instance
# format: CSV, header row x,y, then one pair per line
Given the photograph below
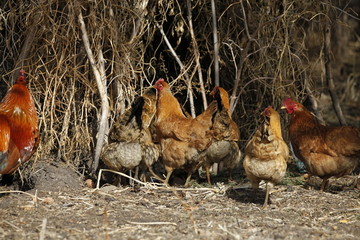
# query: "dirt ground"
x,y
59,206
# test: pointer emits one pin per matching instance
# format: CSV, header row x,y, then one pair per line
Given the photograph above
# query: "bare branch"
x,y
216,43
328,73
186,75
102,91
197,54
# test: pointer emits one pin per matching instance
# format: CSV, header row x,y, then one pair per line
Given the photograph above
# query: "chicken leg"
x,y
207,168
169,172
324,184
267,195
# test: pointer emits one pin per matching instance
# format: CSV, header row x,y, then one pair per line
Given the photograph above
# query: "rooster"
x,y
224,148
132,142
326,151
266,153
183,140
9,153
18,126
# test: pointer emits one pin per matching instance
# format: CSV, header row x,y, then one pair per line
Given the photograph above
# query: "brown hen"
x,y
266,153
183,140
326,151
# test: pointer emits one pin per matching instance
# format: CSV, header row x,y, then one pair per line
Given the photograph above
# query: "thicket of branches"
x,y
267,50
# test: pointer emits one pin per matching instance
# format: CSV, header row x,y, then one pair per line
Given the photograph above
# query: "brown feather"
x,y
326,151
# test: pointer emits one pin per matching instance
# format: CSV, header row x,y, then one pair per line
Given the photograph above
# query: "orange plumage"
x,y
326,151
19,116
183,140
9,153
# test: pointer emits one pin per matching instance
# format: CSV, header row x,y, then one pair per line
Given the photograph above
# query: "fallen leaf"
x,y
27,207
344,220
48,200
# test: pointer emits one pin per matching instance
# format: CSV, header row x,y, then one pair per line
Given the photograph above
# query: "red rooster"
x,y
326,151
9,153
18,126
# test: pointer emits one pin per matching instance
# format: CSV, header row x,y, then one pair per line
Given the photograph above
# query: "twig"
x,y
186,75
124,175
29,39
328,72
342,10
223,228
152,223
106,224
245,23
243,56
102,91
156,185
43,229
165,187
234,97
101,64
12,225
197,54
216,43
34,197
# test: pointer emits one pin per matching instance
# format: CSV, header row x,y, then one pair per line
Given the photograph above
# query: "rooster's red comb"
x,y
21,77
160,80
288,101
267,111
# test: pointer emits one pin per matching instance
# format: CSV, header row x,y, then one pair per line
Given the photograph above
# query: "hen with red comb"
x,y
327,151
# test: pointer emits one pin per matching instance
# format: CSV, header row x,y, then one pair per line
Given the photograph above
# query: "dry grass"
x,y
268,50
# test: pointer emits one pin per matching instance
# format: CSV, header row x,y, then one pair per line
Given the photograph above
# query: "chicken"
x,y
326,151
183,140
224,148
9,153
266,153
132,142
18,126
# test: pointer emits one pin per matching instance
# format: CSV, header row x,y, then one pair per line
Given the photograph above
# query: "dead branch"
x,y
103,125
328,73
186,75
29,38
196,53
216,43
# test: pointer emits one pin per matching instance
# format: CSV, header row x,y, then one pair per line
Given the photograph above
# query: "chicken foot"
x,y
207,168
168,175
188,179
266,195
324,184
156,176
230,178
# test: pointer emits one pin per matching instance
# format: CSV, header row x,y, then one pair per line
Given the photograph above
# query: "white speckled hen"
x,y
224,147
132,142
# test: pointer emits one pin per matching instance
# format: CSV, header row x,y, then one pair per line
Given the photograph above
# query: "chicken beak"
x,y
283,107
